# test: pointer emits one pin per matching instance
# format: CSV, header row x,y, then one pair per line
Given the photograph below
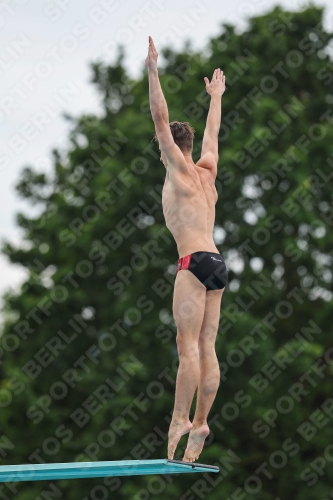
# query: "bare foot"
x,y
196,443
176,431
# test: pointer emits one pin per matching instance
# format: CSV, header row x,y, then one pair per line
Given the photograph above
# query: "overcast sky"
x,y
46,47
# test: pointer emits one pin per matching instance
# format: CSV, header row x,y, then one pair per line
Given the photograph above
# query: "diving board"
x,y
40,472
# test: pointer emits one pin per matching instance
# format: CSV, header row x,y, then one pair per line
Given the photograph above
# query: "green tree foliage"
x,y
88,346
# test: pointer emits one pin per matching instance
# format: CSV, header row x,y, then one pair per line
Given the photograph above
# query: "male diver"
x,y
188,198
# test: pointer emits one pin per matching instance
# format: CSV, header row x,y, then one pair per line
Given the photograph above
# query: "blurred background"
x,y
98,29
87,341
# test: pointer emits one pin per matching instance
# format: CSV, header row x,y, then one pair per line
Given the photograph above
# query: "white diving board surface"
x,y
75,470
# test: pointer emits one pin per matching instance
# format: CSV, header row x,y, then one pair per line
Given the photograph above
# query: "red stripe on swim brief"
x,y
184,262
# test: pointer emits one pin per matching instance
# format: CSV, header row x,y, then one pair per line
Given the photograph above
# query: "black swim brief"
x,y
208,267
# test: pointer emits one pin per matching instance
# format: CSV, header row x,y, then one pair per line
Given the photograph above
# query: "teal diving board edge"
x,y
75,470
